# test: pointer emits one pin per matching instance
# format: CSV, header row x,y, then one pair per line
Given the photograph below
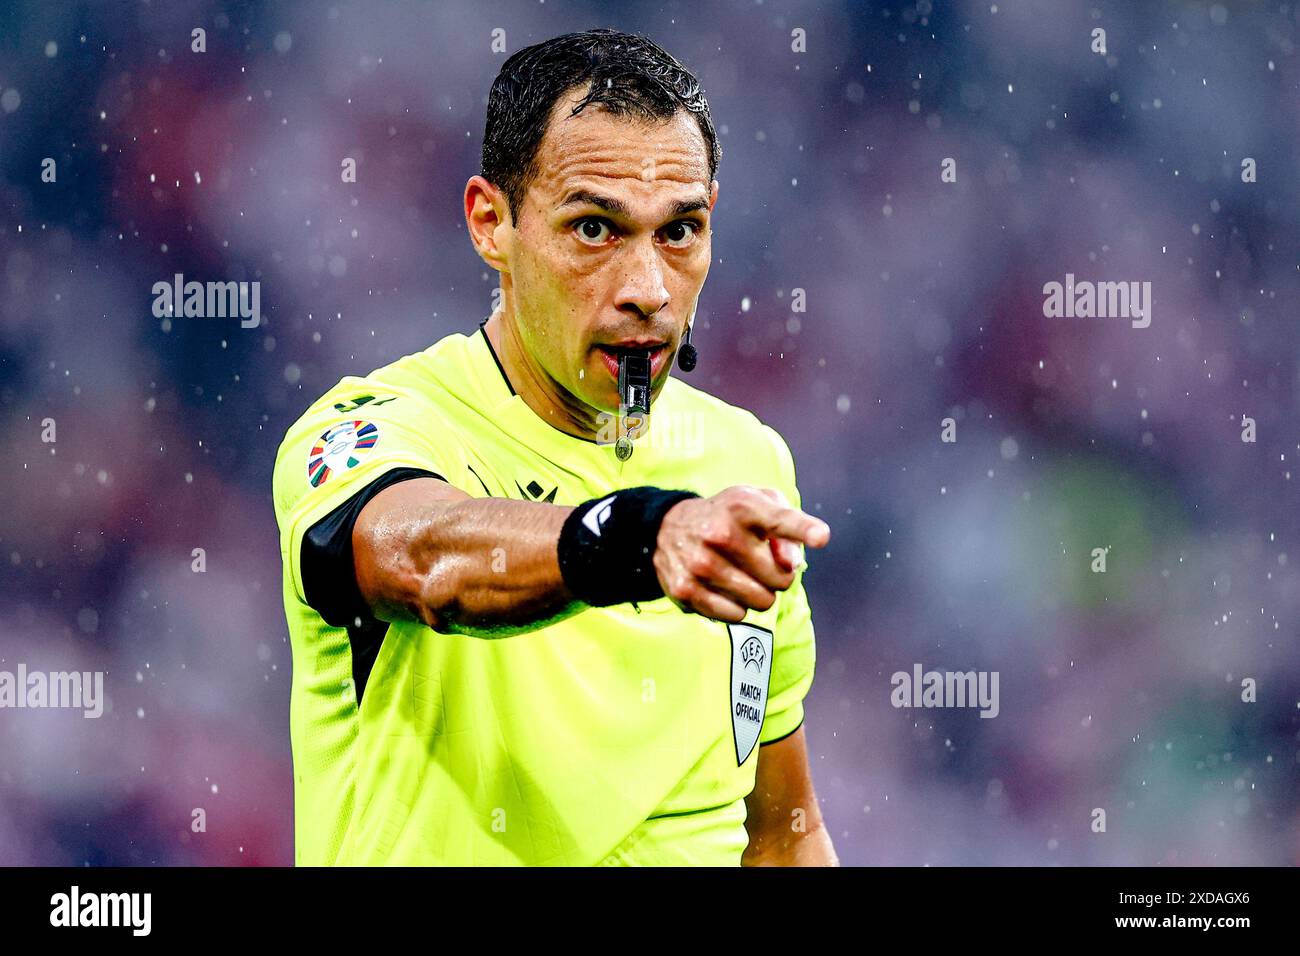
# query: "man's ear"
x,y
487,214
713,195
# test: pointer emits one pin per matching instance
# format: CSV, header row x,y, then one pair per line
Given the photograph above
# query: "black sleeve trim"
x,y
329,579
783,736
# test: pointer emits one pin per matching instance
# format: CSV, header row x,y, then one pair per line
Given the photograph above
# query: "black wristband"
x,y
607,545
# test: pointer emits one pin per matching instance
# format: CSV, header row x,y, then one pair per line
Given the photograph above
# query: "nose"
x,y
642,286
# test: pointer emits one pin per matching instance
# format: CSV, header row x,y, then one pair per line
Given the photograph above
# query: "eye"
x,y
593,230
679,234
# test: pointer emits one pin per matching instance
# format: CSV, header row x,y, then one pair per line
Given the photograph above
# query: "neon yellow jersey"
x,y
620,735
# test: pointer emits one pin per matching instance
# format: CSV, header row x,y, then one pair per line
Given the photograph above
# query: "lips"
x,y
658,356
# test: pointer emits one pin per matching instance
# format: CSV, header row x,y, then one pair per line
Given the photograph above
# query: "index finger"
x,y
796,525
783,521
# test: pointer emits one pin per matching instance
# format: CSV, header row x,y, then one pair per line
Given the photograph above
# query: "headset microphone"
x,y
687,355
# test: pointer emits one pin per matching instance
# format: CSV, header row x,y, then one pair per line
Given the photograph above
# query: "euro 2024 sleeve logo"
x,y
342,446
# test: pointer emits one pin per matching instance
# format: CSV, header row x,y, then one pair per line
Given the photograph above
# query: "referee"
x,y
545,601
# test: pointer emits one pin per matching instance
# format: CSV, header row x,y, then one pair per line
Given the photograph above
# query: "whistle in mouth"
x,y
633,399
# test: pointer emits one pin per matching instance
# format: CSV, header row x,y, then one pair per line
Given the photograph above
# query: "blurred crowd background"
x,y
1119,690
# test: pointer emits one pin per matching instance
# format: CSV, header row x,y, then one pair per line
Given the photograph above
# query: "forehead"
x,y
596,147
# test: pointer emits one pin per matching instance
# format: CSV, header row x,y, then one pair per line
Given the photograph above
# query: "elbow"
x,y
403,584
432,595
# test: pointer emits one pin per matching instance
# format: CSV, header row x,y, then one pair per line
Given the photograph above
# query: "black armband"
x,y
607,545
329,580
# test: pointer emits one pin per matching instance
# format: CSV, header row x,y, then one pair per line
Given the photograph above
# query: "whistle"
x,y
633,400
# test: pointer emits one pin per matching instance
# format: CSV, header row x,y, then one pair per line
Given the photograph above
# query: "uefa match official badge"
x,y
343,446
751,672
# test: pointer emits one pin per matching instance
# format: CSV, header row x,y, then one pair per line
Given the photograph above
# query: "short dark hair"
x,y
628,75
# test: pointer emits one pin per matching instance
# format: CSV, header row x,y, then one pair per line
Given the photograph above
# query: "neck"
x,y
549,400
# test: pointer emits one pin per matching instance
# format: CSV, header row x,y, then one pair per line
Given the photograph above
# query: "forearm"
x,y
782,815
425,550
810,848
481,566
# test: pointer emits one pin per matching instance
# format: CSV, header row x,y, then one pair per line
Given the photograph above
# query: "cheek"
x,y
554,274
689,274
554,288
574,291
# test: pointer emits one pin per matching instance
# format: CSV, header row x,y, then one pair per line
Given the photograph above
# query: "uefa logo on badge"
x,y
342,446
753,655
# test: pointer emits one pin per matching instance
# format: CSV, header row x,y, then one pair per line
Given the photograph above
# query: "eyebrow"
x,y
581,197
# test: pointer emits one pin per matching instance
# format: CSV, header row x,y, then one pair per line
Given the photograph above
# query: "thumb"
x,y
788,554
